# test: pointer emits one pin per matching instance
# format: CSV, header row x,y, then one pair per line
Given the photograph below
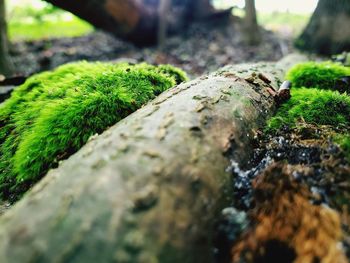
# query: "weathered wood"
x,y
149,188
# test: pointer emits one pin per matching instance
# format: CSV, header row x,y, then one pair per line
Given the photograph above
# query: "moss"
x,y
316,103
344,143
317,75
320,107
171,71
54,113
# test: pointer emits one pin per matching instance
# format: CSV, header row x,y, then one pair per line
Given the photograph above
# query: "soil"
x,y
202,48
297,182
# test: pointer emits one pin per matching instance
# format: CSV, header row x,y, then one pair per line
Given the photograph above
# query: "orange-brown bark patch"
x,y
286,226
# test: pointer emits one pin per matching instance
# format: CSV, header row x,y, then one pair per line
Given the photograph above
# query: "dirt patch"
x,y
295,194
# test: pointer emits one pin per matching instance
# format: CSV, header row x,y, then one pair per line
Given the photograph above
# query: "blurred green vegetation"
x,y
32,22
284,22
48,29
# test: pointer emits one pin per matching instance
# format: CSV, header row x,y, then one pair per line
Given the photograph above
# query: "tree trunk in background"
x,y
150,188
251,28
6,67
328,31
164,10
136,20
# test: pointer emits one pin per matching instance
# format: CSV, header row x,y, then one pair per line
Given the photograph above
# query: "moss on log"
x,y
53,114
149,188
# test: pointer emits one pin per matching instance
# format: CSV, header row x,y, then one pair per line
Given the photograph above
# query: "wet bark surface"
x,y
150,187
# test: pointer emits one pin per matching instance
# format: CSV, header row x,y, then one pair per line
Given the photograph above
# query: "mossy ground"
x,y
54,113
314,101
314,106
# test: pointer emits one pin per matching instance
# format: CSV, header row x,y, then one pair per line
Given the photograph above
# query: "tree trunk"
x,y
149,188
164,10
251,28
328,31
6,67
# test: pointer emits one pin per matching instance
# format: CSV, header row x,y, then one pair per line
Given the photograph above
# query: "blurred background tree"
x,y
328,31
251,23
6,67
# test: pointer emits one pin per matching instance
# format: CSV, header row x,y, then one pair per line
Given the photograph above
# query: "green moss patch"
x,y
317,75
314,102
54,114
320,107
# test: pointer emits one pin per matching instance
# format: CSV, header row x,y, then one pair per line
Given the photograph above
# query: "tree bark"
x,y
251,28
328,31
6,66
150,187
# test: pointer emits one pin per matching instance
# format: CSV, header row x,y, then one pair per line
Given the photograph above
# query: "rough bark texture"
x,y
6,67
328,31
252,32
150,187
135,20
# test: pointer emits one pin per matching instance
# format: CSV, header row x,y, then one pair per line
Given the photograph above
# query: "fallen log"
x,y
130,20
150,187
137,20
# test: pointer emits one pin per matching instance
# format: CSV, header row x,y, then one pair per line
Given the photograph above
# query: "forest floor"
x,y
319,172
202,48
